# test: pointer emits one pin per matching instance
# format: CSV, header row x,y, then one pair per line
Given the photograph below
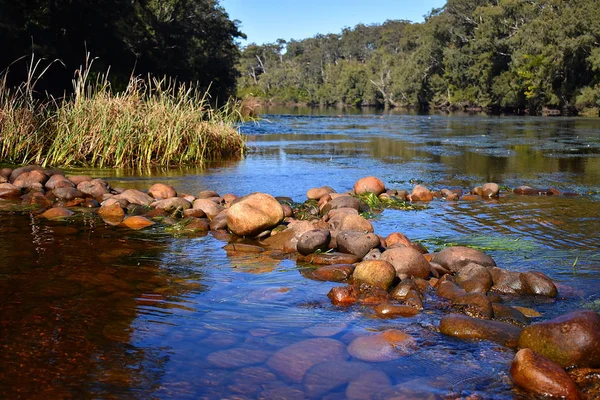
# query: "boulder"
x,y
134,196
476,305
345,201
505,281
357,243
573,339
330,273
369,184
137,222
56,181
95,188
56,213
343,295
173,204
475,278
210,208
66,193
490,190
162,191
355,223
112,213
537,283
313,241
77,179
465,327
253,214
408,262
420,193
537,374
375,273
9,190
386,310
287,240
317,193
456,257
328,258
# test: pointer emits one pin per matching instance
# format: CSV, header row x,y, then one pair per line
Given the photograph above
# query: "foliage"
x,y
153,121
497,54
190,40
376,203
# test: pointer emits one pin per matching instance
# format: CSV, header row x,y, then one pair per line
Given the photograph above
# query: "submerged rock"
x,y
385,346
293,361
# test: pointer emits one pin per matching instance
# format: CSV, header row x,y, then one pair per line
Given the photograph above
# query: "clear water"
x,y
89,311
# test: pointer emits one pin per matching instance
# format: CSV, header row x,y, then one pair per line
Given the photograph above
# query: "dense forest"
x,y
516,55
191,40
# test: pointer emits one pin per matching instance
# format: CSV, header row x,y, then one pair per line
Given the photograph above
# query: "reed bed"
x,y
152,122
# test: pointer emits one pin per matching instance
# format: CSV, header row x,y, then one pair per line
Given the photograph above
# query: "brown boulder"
x,y
573,339
172,204
328,258
56,181
313,241
408,262
66,193
210,208
370,184
137,222
456,257
345,201
253,214
317,193
475,278
112,213
162,191
538,283
134,196
56,213
393,311
287,240
77,179
505,281
375,273
357,243
465,327
490,190
9,190
355,223
535,373
343,295
95,188
476,305
330,273
420,193
449,290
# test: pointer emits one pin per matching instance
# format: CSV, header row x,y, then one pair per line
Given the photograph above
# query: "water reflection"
x,y
70,296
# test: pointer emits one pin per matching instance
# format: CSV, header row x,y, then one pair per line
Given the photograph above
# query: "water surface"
x,y
90,311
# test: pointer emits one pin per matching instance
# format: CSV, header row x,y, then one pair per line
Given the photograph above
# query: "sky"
x,y
265,21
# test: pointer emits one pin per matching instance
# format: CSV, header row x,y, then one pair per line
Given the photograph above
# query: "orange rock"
x,y
369,184
56,212
137,222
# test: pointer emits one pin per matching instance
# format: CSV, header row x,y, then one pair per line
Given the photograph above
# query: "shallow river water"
x,y
90,311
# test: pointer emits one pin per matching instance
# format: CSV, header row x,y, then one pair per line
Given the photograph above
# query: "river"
x,y
90,311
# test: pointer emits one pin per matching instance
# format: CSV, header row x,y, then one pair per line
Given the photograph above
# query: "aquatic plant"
x,y
152,122
376,203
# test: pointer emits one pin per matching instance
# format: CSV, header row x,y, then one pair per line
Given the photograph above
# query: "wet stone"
x,y
343,295
329,375
376,273
465,327
313,241
408,262
331,273
293,361
394,311
476,305
365,385
385,346
456,257
329,258
357,243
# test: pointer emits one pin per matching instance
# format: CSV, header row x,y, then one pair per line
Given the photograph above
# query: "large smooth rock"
x,y
137,222
162,191
537,374
357,243
369,184
490,189
9,190
538,283
341,202
172,204
408,262
56,213
475,305
56,181
66,193
330,273
210,208
253,214
505,281
317,193
465,327
385,346
112,213
293,361
456,257
134,196
343,295
95,188
288,239
313,241
34,179
420,193
573,339
475,278
355,223
387,310
375,273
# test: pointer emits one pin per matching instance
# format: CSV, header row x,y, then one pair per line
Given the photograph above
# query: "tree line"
x,y
190,40
510,55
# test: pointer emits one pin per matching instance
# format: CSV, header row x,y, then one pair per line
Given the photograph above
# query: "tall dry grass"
x,y
152,122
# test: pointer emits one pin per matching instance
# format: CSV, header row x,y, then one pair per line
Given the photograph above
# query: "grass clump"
x,y
152,122
377,204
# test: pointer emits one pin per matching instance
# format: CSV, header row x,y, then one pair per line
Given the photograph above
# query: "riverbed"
x,y
91,311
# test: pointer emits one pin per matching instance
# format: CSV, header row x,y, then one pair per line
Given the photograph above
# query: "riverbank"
x,y
151,122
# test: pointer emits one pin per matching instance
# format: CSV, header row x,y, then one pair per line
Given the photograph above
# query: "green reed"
x,y
152,122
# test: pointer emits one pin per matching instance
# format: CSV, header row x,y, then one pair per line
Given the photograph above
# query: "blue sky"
x,y
264,21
